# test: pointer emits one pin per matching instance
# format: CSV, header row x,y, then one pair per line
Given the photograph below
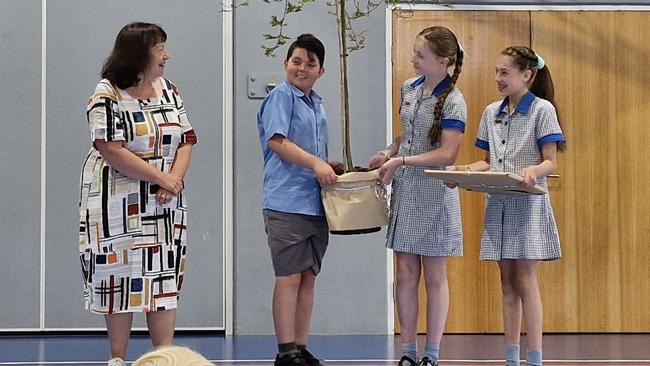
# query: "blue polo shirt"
x,y
287,111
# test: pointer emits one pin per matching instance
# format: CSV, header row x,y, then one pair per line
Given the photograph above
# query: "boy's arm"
x,y
292,153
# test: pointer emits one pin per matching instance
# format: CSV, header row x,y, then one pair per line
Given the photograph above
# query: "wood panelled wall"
x,y
599,62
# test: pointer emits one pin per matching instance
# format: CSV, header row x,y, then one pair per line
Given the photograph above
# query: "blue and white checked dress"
x,y
424,213
519,227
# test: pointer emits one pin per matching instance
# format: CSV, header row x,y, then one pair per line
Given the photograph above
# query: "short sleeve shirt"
x,y
288,112
515,139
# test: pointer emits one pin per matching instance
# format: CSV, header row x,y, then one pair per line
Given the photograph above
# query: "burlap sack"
x,y
356,203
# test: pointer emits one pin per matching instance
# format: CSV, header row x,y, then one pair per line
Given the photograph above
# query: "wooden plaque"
x,y
489,182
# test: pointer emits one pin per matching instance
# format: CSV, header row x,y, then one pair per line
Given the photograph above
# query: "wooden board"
x,y
488,182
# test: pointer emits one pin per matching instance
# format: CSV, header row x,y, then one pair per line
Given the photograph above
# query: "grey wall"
x,y
80,34
351,289
20,162
75,53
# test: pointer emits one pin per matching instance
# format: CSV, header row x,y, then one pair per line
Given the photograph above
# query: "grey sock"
x,y
512,355
287,348
410,350
534,357
432,351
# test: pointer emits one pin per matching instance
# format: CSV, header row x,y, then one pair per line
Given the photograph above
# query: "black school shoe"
x,y
407,361
426,361
292,359
311,360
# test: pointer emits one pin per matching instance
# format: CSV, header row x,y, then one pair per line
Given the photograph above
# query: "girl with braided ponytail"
x,y
425,226
520,134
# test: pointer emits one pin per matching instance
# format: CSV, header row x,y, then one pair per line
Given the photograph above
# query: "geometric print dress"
x,y
132,249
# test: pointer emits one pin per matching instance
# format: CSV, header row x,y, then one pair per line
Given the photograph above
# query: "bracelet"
x,y
403,161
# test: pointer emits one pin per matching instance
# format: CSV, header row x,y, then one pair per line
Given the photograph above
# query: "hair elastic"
x,y
540,62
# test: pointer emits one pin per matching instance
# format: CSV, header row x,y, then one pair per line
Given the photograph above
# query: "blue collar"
x,y
313,96
524,104
442,85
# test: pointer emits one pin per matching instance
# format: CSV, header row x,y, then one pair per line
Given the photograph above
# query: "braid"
x,y
436,128
459,64
526,53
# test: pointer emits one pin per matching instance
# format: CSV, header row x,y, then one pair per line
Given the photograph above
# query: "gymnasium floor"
x,y
458,350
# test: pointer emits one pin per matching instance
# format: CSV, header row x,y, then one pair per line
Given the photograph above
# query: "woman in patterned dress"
x,y
425,226
520,134
132,209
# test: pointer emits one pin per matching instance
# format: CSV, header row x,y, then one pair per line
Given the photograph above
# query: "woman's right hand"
x,y
324,173
377,161
170,182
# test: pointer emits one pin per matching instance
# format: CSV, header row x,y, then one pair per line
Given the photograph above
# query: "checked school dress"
x,y
519,226
424,213
132,249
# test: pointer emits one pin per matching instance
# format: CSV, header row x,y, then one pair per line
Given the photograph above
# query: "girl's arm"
x,y
382,156
546,167
477,166
444,155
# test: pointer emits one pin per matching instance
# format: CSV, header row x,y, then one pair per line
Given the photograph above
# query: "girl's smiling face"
x,y
509,78
425,61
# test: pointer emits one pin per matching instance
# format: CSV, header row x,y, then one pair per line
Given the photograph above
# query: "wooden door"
x,y
599,61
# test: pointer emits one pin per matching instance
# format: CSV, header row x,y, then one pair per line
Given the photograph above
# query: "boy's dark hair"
x,y
310,43
541,82
130,55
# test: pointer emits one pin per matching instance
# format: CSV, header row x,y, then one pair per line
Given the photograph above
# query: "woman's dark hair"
x,y
443,43
311,44
541,83
130,55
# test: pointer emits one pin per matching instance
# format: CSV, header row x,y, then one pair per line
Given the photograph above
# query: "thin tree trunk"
x,y
345,103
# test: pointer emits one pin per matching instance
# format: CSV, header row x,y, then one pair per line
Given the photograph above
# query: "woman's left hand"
x,y
387,171
164,196
530,177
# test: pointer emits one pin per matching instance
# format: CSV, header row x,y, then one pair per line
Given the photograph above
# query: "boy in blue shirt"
x,y
293,134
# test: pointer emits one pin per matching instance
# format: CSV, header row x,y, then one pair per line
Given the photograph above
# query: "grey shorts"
x,y
297,242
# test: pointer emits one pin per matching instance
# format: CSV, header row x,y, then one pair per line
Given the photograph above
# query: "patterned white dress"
x,y
424,213
519,226
132,249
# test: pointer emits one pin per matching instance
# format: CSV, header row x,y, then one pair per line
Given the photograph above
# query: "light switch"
x,y
259,84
